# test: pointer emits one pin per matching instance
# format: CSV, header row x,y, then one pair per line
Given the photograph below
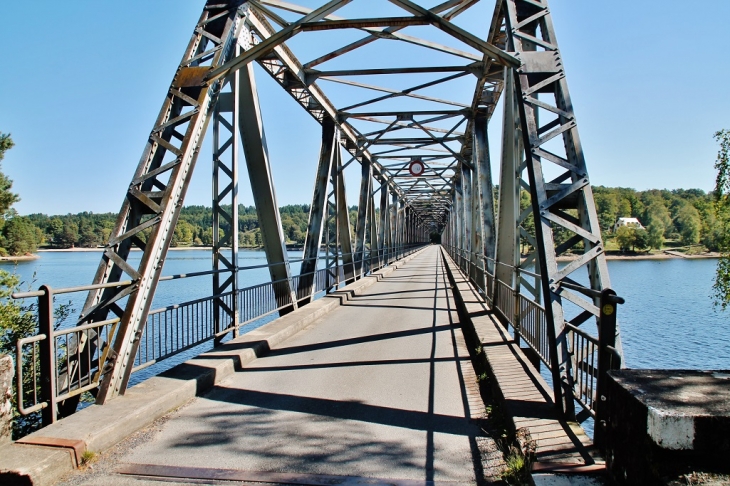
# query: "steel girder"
x,y
447,134
319,208
562,201
225,220
152,204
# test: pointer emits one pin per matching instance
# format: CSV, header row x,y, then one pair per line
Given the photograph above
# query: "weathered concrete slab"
x,y
525,394
666,422
381,387
100,427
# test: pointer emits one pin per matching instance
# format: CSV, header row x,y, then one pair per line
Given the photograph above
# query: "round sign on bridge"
x,y
416,168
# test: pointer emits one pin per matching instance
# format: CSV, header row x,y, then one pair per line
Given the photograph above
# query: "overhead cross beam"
x,y
428,118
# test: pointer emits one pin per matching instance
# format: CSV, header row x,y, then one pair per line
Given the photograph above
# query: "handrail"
x,y
588,352
262,298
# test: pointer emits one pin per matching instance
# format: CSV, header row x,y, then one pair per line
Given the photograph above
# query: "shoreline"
x,y
650,256
22,258
665,255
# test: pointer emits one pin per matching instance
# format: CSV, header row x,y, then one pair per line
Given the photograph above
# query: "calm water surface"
x,y
668,320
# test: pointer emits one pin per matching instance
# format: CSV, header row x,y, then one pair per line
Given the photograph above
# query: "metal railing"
x,y
591,356
56,365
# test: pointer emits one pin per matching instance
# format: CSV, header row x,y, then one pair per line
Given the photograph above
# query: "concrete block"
x,y
23,465
667,422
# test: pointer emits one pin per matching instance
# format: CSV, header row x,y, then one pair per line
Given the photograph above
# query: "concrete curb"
x,y
101,427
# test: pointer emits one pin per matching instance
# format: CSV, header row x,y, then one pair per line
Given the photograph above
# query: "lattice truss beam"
x,y
404,82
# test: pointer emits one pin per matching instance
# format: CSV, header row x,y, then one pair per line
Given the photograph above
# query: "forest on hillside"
x,y
194,228
681,216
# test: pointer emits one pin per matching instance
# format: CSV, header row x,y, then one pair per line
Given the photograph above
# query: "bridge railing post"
x,y
47,356
608,359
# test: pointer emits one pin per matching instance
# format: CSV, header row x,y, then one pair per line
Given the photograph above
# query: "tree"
x,y
7,198
183,235
722,207
19,236
69,235
625,237
641,239
689,224
655,235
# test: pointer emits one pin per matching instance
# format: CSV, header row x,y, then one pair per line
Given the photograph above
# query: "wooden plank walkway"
x,y
526,395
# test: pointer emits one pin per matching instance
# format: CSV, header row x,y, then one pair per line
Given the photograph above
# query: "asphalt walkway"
x,y
379,388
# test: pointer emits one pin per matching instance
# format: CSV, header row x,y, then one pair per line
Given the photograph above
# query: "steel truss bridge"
x,y
425,173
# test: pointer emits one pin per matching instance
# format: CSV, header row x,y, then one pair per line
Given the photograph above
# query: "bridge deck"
x,y
381,387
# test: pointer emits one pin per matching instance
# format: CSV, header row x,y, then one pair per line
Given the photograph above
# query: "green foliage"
x,y
194,228
655,235
721,286
18,320
686,215
7,198
641,239
625,237
18,237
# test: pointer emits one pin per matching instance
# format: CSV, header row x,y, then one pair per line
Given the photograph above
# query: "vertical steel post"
x,y
394,226
606,339
486,196
318,209
458,214
262,186
343,219
466,188
362,214
385,242
225,189
374,236
47,349
508,224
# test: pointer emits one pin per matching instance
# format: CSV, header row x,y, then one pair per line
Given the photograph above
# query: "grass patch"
x,y
87,458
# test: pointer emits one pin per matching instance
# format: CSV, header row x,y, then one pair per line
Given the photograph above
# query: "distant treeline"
x,y
686,216
682,215
23,234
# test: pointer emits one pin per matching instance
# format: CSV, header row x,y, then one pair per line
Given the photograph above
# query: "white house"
x,y
632,222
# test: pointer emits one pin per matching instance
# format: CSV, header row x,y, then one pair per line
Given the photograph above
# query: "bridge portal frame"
x,y
520,57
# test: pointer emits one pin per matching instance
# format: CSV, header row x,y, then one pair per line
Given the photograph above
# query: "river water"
x,y
668,320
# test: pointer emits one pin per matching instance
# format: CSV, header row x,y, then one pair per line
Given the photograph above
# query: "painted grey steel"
x,y
453,196
508,223
225,192
342,216
318,209
373,233
262,184
532,38
485,214
362,214
153,200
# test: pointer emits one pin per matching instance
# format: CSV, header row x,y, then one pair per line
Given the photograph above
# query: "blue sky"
x,y
82,82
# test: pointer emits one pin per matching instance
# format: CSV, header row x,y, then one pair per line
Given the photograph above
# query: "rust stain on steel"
x,y
568,468
209,474
191,76
78,446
